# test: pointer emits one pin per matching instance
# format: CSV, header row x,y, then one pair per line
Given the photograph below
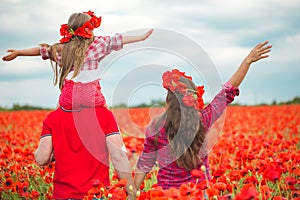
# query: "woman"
x,y
175,139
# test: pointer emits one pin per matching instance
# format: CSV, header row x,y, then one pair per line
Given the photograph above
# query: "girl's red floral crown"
x,y
191,98
85,31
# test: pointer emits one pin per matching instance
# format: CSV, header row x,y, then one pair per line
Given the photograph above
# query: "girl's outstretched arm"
x,y
13,53
131,39
260,51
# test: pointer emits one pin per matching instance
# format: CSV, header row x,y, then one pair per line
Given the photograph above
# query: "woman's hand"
x,y
13,54
258,52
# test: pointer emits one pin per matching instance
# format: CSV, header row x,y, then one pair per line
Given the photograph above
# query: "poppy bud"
x,y
138,193
130,188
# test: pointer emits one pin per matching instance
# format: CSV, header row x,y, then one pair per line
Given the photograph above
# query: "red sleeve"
x,y
148,157
116,42
108,123
46,129
215,109
44,52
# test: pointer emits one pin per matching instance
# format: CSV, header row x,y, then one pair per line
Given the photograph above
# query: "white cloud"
x,y
226,30
25,66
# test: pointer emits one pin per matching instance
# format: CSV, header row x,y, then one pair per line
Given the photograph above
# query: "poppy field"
x,y
256,156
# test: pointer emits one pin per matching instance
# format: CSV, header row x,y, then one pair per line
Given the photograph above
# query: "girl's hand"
x,y
258,52
132,39
146,35
13,54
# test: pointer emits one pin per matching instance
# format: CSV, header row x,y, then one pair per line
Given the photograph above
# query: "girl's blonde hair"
x,y
72,53
184,129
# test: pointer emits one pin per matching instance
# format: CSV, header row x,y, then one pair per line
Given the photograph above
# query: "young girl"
x,y
175,138
77,58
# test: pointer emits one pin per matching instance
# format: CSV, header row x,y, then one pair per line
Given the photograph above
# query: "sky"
x,y
206,38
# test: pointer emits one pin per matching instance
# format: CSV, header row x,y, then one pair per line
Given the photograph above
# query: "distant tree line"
x,y
153,103
162,103
24,107
295,100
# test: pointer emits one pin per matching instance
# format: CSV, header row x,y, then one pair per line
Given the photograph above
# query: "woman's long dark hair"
x,y
184,129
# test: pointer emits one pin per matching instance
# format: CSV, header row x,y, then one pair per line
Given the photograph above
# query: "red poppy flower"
x,y
200,90
121,183
200,102
197,173
80,32
97,183
186,190
251,179
265,192
90,13
211,192
65,39
157,192
34,194
181,87
85,31
6,175
64,30
8,184
95,21
172,193
88,25
290,180
94,191
247,192
220,186
170,81
281,198
271,173
202,185
188,100
117,193
219,172
176,71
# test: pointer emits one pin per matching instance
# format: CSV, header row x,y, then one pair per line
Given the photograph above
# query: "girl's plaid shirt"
x,y
100,47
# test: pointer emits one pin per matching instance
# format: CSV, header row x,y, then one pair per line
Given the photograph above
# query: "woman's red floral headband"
x,y
191,98
85,31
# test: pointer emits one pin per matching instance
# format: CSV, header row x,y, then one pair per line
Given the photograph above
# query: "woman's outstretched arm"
x,y
139,177
259,52
230,89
